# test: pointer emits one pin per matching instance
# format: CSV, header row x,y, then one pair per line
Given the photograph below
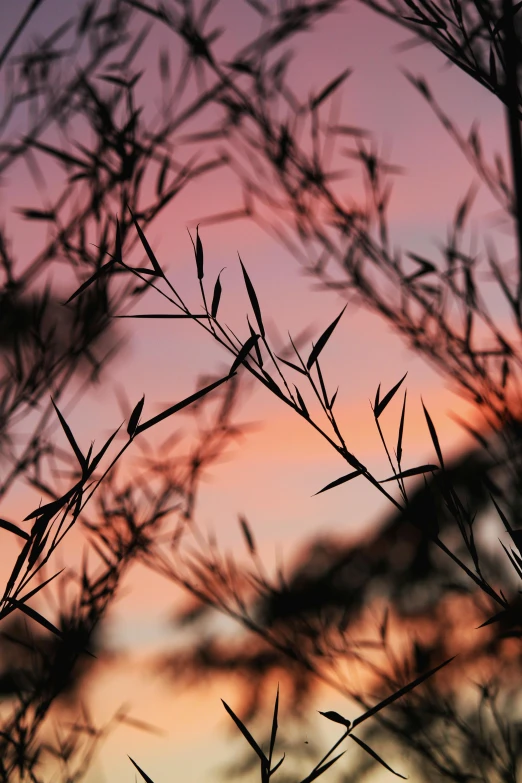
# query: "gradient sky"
x,y
271,476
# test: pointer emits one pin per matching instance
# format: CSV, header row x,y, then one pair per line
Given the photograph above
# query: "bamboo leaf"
x,y
318,347
243,353
247,533
301,402
330,87
292,365
216,297
70,438
401,431
142,773
433,434
97,459
253,299
101,271
258,350
246,734
36,616
163,315
399,694
387,398
411,472
339,481
135,417
147,247
273,732
336,718
374,755
14,529
317,772
180,405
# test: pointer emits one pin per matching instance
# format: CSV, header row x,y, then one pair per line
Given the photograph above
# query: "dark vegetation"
x,y
426,569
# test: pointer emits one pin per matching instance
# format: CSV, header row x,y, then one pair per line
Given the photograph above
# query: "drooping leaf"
x,y
411,472
243,353
246,734
13,529
374,755
135,417
253,299
183,404
318,347
342,480
387,398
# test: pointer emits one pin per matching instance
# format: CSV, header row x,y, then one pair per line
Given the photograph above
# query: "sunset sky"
x,y
272,474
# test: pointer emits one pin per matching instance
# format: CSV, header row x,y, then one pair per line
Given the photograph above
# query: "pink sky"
x,y
283,455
